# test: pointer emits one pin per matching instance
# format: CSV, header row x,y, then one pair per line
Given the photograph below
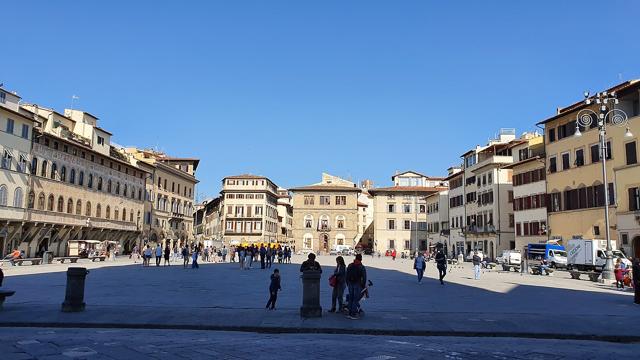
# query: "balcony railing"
x,y
77,220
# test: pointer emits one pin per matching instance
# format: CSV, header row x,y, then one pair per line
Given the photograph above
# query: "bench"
x,y
72,259
97,258
593,276
32,261
5,294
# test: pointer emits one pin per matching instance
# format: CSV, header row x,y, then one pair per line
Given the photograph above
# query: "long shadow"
x,y
226,286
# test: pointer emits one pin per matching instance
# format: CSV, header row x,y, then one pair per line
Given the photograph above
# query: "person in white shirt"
x,y
147,256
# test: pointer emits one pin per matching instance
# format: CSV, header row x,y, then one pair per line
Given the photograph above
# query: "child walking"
x,y
273,289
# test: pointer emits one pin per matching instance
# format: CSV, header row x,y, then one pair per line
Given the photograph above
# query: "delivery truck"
x,y
590,254
555,254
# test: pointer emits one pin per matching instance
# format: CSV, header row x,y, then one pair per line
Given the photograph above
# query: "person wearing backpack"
x,y
339,283
419,265
356,281
441,264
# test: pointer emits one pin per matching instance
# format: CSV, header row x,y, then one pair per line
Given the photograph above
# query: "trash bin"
x,y
47,257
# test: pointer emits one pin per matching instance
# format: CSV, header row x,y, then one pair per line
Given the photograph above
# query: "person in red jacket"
x,y
393,254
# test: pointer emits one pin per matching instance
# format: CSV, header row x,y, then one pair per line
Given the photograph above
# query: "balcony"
x,y
476,230
52,217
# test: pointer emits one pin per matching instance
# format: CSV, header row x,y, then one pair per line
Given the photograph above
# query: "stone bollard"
x,y
74,297
311,294
636,280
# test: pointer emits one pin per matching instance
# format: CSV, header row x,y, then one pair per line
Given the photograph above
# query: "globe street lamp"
x,y
616,117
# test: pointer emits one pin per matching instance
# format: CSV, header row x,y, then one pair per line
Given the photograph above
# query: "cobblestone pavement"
x,y
65,344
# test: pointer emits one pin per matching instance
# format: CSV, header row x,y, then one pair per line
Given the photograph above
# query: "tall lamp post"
x,y
607,113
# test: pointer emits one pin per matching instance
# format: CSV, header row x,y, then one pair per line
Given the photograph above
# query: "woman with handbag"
x,y
338,282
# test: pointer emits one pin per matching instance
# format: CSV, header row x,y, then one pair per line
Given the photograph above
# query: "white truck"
x,y
510,259
590,254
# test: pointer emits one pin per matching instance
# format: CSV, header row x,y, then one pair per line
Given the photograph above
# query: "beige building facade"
x,y
325,215
574,172
249,210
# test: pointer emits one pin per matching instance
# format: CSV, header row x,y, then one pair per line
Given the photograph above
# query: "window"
x,y
90,181
422,208
341,200
340,222
634,199
31,200
100,140
3,97
625,239
79,207
325,200
407,224
406,208
25,131
54,170
72,176
391,208
552,135
43,170
631,152
6,160
579,157
60,204
307,243
596,230
565,161
407,244
10,124
308,221
63,173
552,165
50,202
70,206
3,195
391,224
595,153
392,244
22,164
34,166
41,201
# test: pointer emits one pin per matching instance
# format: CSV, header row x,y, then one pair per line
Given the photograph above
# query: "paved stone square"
x,y
223,297
65,344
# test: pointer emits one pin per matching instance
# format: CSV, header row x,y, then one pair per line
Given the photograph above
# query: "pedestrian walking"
x,y
135,254
441,264
339,283
393,254
419,264
185,256
274,286
356,280
194,258
248,255
158,254
167,254
147,256
476,265
224,254
268,254
241,257
205,257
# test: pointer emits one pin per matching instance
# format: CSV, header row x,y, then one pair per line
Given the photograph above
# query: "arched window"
x,y
124,214
118,188
90,181
116,212
339,239
41,200
3,195
17,198
54,170
324,223
43,169
50,202
340,222
308,221
140,194
79,207
72,176
138,216
81,178
31,200
34,166
107,213
100,183
60,204
98,211
109,186
131,216
70,206
124,193
87,208
63,173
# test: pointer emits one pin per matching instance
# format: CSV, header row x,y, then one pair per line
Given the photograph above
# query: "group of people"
x,y
266,255
187,252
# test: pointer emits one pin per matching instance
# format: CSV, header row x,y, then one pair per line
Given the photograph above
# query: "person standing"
x,y
339,284
356,280
476,265
310,264
269,258
134,254
158,254
263,253
167,254
419,265
393,254
274,286
224,254
241,257
249,254
441,264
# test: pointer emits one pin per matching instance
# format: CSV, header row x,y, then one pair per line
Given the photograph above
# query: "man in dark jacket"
x,y
441,263
274,286
356,282
310,264
476,265
263,253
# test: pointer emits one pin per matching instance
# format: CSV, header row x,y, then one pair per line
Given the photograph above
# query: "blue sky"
x,y
289,89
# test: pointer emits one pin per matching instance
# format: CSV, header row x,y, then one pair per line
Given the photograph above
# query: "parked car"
x,y
509,257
